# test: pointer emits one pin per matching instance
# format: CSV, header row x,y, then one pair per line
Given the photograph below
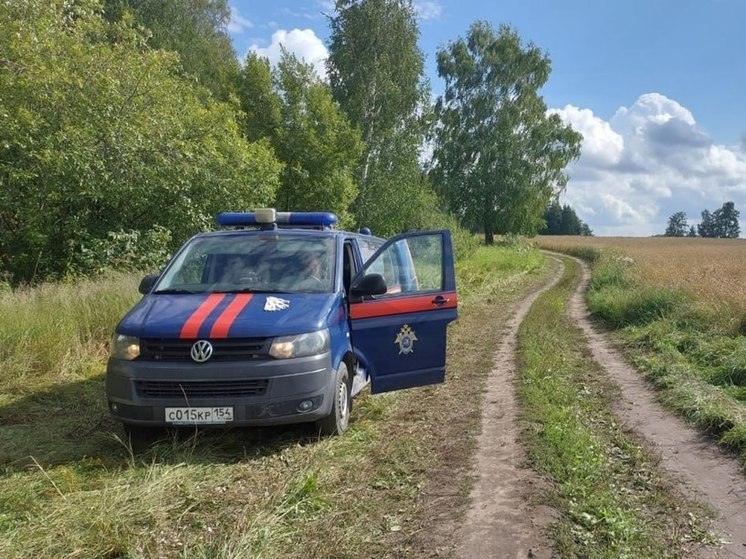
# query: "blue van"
x,y
279,318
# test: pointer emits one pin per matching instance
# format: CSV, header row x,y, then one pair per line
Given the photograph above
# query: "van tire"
x,y
338,419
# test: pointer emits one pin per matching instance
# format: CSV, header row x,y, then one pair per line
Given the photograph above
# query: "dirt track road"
x,y
504,522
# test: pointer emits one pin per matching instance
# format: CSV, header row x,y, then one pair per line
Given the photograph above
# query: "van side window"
x,y
411,265
368,247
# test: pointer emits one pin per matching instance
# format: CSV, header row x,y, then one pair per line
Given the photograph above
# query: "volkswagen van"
x,y
280,318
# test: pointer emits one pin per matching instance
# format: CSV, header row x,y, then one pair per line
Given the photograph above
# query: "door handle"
x,y
439,301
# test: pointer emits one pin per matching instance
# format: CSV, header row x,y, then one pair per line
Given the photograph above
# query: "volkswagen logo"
x,y
201,351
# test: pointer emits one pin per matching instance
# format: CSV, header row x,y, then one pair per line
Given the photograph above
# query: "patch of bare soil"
x,y
502,521
698,467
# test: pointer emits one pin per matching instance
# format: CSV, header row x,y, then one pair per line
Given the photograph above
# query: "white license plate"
x,y
193,416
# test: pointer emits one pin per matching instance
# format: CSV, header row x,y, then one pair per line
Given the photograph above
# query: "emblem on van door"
x,y
201,351
406,339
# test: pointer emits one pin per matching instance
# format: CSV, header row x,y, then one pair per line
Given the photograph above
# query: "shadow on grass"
x,y
70,422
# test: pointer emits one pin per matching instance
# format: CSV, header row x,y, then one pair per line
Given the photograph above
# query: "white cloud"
x,y
647,162
427,9
600,143
238,23
303,43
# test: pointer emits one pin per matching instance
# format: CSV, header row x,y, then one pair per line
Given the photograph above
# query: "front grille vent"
x,y
200,389
235,349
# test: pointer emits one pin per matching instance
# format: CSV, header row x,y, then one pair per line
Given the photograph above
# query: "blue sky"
x,y
657,87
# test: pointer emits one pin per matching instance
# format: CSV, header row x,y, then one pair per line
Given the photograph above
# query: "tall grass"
x,y
58,332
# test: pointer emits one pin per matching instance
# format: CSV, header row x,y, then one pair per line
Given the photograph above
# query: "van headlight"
x,y
125,347
300,345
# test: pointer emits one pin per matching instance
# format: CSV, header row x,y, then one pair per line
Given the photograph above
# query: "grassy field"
x,y
395,486
69,486
680,310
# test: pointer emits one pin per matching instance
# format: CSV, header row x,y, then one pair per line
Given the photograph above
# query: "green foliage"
x,y
677,225
195,29
127,250
294,110
316,143
589,254
562,220
376,74
722,223
498,156
609,272
260,102
101,135
59,331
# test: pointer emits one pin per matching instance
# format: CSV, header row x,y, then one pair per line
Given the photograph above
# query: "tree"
x,y
104,144
722,223
562,220
692,231
314,140
195,29
376,74
498,156
707,227
260,102
553,219
727,221
570,221
677,225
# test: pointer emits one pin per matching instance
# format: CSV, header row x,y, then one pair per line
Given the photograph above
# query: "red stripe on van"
x,y
191,327
228,316
401,305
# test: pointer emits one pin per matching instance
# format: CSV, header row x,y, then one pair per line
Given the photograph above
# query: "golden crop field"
x,y
714,270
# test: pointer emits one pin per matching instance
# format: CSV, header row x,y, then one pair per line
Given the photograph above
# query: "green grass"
x,y
608,490
694,353
69,487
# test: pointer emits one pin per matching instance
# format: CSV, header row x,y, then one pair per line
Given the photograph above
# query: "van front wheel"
x,y
338,419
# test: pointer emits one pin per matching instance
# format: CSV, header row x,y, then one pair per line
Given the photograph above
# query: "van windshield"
x,y
265,263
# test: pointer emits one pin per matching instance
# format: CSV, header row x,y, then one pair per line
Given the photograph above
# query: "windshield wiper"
x,y
249,290
175,291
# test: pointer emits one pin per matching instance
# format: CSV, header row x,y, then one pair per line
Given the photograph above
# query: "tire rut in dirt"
x,y
501,521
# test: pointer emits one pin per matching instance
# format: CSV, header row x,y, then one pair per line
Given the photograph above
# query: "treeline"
x,y
126,125
562,220
722,223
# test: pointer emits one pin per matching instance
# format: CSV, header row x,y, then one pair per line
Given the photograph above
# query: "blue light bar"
x,y
323,220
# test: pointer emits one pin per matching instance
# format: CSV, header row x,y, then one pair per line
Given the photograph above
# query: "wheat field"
x,y
713,270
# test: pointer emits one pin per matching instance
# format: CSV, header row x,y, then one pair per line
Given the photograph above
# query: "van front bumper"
x,y
261,392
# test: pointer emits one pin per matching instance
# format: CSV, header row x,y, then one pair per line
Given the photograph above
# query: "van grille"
x,y
194,389
238,349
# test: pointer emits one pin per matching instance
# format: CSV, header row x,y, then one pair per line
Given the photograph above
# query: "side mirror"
x,y
147,284
370,284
